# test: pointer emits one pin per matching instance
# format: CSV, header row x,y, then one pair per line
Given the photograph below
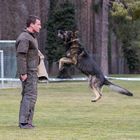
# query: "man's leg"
x,y
29,96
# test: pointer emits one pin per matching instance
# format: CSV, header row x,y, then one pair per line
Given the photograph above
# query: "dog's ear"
x,y
69,34
76,33
60,31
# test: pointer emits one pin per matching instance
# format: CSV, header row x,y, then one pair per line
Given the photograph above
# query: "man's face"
x,y
36,26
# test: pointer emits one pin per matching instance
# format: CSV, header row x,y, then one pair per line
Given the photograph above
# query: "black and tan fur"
x,y
78,56
70,39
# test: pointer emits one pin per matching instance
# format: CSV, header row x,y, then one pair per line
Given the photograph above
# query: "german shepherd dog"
x,y
78,56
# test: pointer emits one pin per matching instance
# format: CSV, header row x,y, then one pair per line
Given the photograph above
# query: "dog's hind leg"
x,y
96,89
97,93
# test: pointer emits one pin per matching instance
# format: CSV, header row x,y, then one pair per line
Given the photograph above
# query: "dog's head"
x,y
67,36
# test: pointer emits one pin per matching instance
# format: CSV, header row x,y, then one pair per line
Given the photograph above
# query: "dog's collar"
x,y
72,41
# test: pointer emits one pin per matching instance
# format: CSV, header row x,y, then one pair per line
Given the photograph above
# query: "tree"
x,y
104,37
101,32
62,16
125,19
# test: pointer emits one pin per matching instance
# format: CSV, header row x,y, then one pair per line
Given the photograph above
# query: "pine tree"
x,y
62,16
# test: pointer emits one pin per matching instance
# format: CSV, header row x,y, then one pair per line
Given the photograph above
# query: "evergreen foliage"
x,y
62,17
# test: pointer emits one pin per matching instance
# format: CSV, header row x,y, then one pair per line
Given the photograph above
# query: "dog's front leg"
x,y
64,60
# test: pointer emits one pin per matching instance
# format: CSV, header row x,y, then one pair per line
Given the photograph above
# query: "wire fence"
x,y
8,68
13,82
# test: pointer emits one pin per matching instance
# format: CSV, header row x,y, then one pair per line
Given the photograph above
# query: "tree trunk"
x,y
104,37
97,31
84,18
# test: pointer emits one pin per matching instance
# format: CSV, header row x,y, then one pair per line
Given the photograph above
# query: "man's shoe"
x,y
32,125
27,126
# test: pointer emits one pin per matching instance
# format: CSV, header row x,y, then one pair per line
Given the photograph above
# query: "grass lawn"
x,y
64,112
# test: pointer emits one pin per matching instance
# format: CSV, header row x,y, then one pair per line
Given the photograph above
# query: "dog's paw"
x,y
93,100
96,99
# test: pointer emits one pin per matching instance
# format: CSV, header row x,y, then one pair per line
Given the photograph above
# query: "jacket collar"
x,y
34,35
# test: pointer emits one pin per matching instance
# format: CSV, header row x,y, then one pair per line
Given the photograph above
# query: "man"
x,y
27,62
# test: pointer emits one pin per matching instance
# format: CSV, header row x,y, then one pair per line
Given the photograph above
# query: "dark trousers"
x,y
29,97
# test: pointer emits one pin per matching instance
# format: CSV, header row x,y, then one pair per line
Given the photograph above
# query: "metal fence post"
x,y
2,67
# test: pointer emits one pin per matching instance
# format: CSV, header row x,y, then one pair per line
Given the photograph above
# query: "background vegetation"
x,y
125,21
116,49
61,17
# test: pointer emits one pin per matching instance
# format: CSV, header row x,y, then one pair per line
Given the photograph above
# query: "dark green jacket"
x,y
27,52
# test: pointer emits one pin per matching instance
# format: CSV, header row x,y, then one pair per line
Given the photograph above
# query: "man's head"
x,y
33,24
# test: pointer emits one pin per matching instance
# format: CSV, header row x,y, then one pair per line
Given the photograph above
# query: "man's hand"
x,y
23,77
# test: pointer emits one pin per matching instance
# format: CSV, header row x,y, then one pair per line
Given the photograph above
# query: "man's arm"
x,y
22,50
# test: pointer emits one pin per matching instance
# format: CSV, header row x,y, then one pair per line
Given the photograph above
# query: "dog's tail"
x,y
117,88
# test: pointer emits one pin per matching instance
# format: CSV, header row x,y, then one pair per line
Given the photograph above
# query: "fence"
x,y
2,66
8,67
8,63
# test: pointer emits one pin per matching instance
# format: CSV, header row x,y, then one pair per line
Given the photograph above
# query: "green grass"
x,y
64,112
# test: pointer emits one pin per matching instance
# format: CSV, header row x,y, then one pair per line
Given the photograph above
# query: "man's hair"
x,y
31,19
